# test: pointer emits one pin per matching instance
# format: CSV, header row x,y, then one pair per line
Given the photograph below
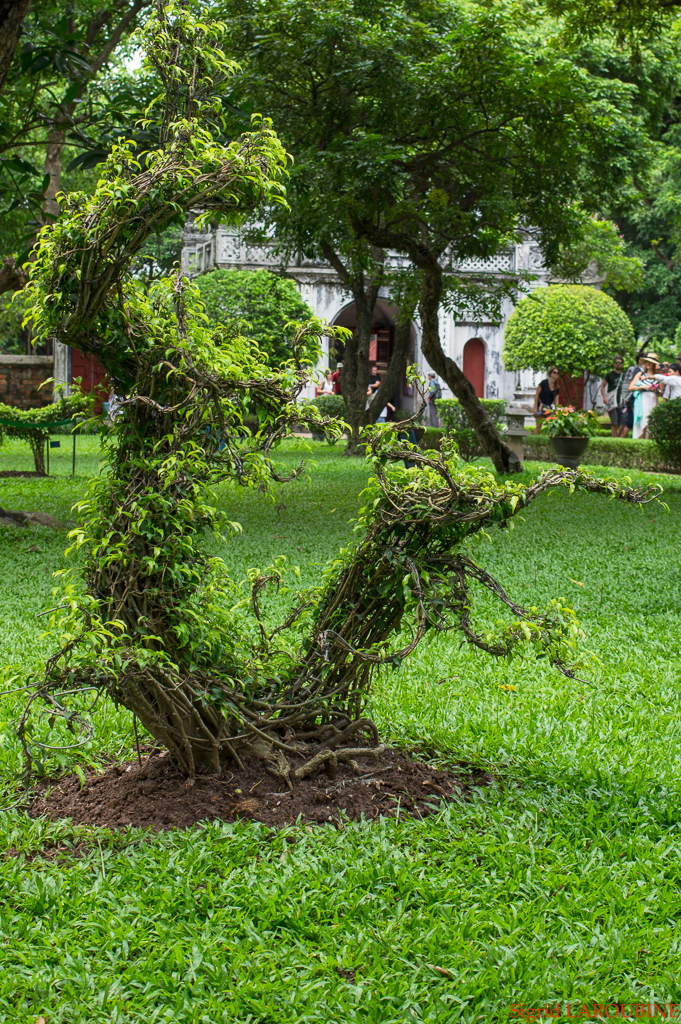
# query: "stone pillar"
x,y
62,366
515,418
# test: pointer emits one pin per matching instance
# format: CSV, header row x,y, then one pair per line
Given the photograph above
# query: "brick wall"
x,y
20,378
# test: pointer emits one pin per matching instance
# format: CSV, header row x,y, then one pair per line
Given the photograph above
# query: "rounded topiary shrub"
x,y
664,426
572,327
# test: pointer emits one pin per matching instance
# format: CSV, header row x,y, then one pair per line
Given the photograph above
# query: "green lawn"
x,y
559,883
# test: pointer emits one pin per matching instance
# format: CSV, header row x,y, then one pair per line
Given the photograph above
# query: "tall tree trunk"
x,y
12,14
396,370
354,379
504,460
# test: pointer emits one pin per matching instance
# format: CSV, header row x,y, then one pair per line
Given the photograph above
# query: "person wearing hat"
x,y
645,389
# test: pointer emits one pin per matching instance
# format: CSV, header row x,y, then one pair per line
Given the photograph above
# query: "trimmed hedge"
x,y
605,451
330,405
456,423
602,451
664,426
432,437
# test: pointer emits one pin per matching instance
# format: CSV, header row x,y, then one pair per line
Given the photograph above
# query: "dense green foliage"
x,y
601,243
68,90
265,306
503,891
665,429
648,218
572,327
11,316
148,594
385,72
632,24
644,212
433,130
148,621
456,422
330,405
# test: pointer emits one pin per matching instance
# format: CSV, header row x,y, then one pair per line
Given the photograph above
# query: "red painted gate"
x,y
474,364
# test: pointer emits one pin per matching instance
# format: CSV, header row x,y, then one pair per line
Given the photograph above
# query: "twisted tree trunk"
x,y
503,458
159,629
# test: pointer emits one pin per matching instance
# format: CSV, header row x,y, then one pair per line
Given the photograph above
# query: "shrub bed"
x,y
602,451
665,427
605,451
432,437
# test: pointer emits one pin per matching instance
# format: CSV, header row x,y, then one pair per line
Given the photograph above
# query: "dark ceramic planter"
x,y
569,450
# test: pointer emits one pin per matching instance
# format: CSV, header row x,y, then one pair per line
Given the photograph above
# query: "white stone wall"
x,y
320,287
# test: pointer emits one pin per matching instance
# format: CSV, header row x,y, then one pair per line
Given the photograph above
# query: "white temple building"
x,y
476,347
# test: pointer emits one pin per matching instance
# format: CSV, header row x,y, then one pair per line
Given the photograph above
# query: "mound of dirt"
x,y
27,518
155,795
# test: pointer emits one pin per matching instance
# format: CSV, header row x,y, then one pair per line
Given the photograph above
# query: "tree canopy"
x,y
66,89
438,129
263,304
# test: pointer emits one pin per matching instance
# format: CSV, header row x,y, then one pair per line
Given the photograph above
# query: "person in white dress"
x,y
646,389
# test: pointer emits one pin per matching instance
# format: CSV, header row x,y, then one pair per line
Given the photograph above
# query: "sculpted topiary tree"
x,y
152,621
573,327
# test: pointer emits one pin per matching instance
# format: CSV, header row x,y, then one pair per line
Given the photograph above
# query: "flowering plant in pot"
x,y
570,430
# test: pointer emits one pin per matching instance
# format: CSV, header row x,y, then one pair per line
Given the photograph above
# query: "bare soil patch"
x,y
8,474
156,795
29,518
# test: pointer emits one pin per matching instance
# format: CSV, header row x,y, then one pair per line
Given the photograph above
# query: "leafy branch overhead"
x,y
65,88
602,245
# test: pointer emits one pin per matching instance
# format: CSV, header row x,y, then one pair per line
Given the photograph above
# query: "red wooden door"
x,y
474,364
92,375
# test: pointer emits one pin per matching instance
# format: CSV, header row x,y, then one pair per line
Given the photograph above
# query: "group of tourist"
x,y
629,395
